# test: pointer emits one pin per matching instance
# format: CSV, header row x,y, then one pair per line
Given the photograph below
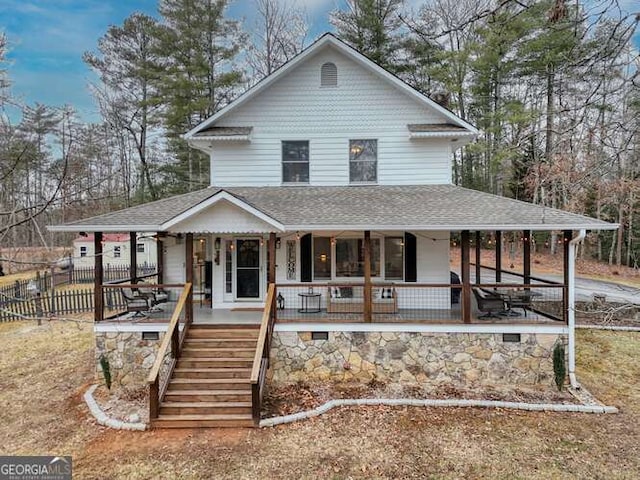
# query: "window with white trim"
x,y
321,258
350,257
295,161
116,252
140,247
393,258
83,251
363,161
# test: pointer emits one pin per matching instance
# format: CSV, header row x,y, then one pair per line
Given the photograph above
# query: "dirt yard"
x,y
44,371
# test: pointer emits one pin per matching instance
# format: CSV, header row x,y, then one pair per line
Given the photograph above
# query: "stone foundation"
x,y
130,357
437,358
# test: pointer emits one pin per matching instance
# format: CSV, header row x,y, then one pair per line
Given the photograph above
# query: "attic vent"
x,y
329,75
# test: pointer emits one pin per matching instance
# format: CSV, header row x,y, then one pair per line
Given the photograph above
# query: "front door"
x,y
248,269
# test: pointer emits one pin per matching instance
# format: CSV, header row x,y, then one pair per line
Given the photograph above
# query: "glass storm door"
x,y
247,269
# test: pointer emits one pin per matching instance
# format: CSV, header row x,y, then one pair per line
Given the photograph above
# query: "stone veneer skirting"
x,y
130,357
414,357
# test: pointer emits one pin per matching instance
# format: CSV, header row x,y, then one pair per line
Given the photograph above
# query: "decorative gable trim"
x,y
209,202
329,39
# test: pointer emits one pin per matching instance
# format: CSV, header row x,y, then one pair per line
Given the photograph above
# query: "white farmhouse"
x,y
331,214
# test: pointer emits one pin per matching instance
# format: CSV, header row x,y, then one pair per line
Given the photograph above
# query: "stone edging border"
x,y
609,327
102,417
547,407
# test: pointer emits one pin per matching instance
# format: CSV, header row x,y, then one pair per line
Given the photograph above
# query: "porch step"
x,y
213,372
208,395
209,383
206,352
205,408
218,333
203,421
215,362
220,342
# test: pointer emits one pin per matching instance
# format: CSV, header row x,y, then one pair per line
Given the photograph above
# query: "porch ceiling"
x,y
370,207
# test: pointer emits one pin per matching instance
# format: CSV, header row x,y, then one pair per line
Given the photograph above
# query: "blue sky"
x,y
48,37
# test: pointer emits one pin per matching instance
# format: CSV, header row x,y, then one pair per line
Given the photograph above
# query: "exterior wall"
x,y
221,215
130,357
149,256
410,357
174,266
361,106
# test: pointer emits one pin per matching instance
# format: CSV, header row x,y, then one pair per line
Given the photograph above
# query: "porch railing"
x,y
440,303
261,358
168,353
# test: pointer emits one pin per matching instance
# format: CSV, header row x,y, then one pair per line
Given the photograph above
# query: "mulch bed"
x,y
302,396
125,404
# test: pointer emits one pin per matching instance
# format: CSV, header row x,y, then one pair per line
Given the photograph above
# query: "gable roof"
x,y
325,40
371,207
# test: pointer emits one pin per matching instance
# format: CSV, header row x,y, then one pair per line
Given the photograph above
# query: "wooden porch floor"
x,y
207,315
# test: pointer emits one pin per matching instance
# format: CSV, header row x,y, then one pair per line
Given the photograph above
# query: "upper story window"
x,y
83,251
363,161
140,247
295,161
329,75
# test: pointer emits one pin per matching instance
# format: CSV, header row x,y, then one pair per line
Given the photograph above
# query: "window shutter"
x,y
306,258
410,258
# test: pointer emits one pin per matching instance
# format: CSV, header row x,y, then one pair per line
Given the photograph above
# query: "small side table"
x,y
308,298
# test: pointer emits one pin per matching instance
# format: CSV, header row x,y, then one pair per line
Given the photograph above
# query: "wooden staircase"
x,y
211,383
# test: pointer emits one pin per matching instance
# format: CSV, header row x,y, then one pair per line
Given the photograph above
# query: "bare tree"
x,y
279,34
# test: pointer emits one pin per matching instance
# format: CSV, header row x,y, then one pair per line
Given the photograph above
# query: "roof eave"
x,y
104,228
442,228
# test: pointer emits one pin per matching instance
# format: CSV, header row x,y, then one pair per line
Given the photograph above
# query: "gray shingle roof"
x,y
435,127
224,132
433,207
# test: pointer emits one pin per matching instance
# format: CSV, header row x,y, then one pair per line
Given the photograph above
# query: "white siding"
x,y
361,106
174,265
218,218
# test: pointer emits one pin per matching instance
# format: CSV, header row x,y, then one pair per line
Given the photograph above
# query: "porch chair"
x,y
488,303
136,304
155,296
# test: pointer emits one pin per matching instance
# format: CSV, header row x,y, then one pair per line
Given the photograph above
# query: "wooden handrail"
x,y
262,337
143,285
166,341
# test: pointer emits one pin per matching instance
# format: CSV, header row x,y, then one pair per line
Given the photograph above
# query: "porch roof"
x,y
367,207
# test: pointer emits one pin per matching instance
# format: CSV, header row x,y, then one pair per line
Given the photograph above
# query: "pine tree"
x,y
371,27
195,78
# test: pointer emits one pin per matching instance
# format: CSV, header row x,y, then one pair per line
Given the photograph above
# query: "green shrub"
x,y
559,366
106,371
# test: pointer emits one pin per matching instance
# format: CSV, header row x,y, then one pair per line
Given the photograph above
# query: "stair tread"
x,y
208,392
220,349
174,404
212,370
210,380
217,359
210,416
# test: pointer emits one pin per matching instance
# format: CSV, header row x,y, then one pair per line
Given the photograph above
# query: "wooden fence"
x,y
112,273
59,303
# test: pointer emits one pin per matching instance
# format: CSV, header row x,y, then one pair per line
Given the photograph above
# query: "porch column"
x,y
271,278
498,256
367,276
478,272
466,286
188,259
567,273
160,236
133,256
98,278
526,254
